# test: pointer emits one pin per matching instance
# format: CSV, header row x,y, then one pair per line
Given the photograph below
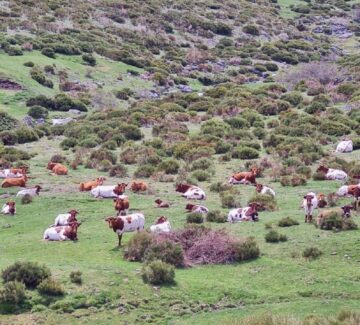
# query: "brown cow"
x,y
161,204
120,188
9,182
121,205
88,186
245,177
322,203
21,170
138,186
57,168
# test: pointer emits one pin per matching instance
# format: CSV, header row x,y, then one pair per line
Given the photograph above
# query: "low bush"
x,y
12,294
216,216
158,272
169,166
267,202
245,153
246,250
334,128
166,251
8,138
89,59
319,176
76,277
331,222
287,222
144,171
118,170
312,253
251,29
25,134
220,187
50,287
30,273
29,64
37,112
137,245
201,175
228,200
26,199
293,180
194,218
68,143
274,237
49,52
38,76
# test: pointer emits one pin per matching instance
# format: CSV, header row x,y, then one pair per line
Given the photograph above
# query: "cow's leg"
x,y
120,237
310,218
306,217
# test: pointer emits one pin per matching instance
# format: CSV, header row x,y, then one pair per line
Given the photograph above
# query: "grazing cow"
x,y
344,211
322,203
9,182
104,191
33,191
127,223
9,208
196,208
265,190
120,188
350,190
310,203
61,233
246,178
161,204
191,192
345,146
161,225
138,186
249,213
66,218
88,186
332,174
57,168
121,205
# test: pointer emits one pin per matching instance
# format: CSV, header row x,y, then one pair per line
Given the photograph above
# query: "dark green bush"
x,y
169,166
287,222
38,76
294,98
68,143
8,138
166,251
29,64
246,250
216,216
274,237
312,253
7,122
50,287
220,187
245,153
158,272
30,273
26,199
270,66
14,51
228,200
12,294
266,202
25,134
76,277
124,94
137,246
194,218
118,170
49,52
251,29
37,112
144,171
89,59
201,175
334,128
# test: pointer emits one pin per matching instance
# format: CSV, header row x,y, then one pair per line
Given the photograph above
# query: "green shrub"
x,y
237,122
194,218
50,287
76,277
118,170
201,175
245,153
14,51
312,253
25,134
270,66
169,166
294,180
124,94
26,199
68,143
220,187
287,222
274,237
334,128
8,138
29,64
137,246
267,202
38,76
166,251
37,112
294,98
251,29
158,272
216,216
319,176
12,293
201,164
89,59
7,122
30,273
49,52
246,250
144,171
228,200
315,107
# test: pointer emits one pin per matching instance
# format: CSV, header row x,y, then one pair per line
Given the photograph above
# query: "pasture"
x,y
281,280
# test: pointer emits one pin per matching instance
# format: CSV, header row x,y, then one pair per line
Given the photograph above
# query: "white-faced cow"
x,y
310,203
162,225
191,192
249,213
9,208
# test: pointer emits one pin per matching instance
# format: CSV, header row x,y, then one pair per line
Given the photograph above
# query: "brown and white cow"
x,y
127,223
162,225
249,213
332,174
322,203
57,168
196,208
121,205
88,186
61,233
350,190
9,208
246,178
10,182
161,204
139,186
310,203
66,218
191,192
265,190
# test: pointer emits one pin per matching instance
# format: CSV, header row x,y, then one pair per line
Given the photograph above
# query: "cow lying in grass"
x,y
66,218
108,191
138,186
13,172
322,203
196,208
249,213
33,191
350,190
57,168
246,178
61,233
265,190
88,186
162,225
9,208
310,203
344,211
127,223
11,182
121,205
332,174
161,204
191,192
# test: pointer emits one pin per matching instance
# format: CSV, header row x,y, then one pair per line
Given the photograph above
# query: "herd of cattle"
x,y
66,225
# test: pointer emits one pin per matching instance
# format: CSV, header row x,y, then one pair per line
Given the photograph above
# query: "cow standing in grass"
x,y
121,205
310,203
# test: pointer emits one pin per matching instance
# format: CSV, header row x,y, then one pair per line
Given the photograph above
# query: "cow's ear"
x,y
304,196
114,200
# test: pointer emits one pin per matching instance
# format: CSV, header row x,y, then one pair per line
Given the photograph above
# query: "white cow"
x,y
104,191
195,193
162,225
336,174
8,208
243,214
65,218
345,146
265,190
61,233
29,191
310,203
6,173
197,208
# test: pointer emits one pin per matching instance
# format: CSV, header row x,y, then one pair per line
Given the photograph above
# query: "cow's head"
x,y
182,188
253,211
120,188
321,196
189,206
38,188
347,211
255,171
11,205
73,214
160,220
308,199
50,165
158,201
322,169
100,180
258,187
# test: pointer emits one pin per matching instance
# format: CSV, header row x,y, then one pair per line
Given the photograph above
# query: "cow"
x,y
350,190
249,213
265,190
162,225
33,191
9,182
13,172
129,223
104,191
196,208
121,205
310,203
344,211
246,178
57,168
120,188
88,186
9,208
138,186
161,204
191,192
344,146
332,174
61,233
66,218
322,203
20,170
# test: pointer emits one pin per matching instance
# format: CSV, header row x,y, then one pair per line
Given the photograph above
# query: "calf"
x,y
138,186
246,178
332,174
249,213
121,205
30,191
310,203
350,190
322,203
9,208
162,225
120,188
344,211
191,192
196,208
66,219
161,204
57,168
127,223
61,233
265,190
9,182
88,186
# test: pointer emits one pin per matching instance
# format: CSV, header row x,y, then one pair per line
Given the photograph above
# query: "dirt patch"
x,y
9,85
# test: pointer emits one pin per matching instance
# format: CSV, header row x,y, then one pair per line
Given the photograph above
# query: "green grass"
x,y
286,12
280,280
